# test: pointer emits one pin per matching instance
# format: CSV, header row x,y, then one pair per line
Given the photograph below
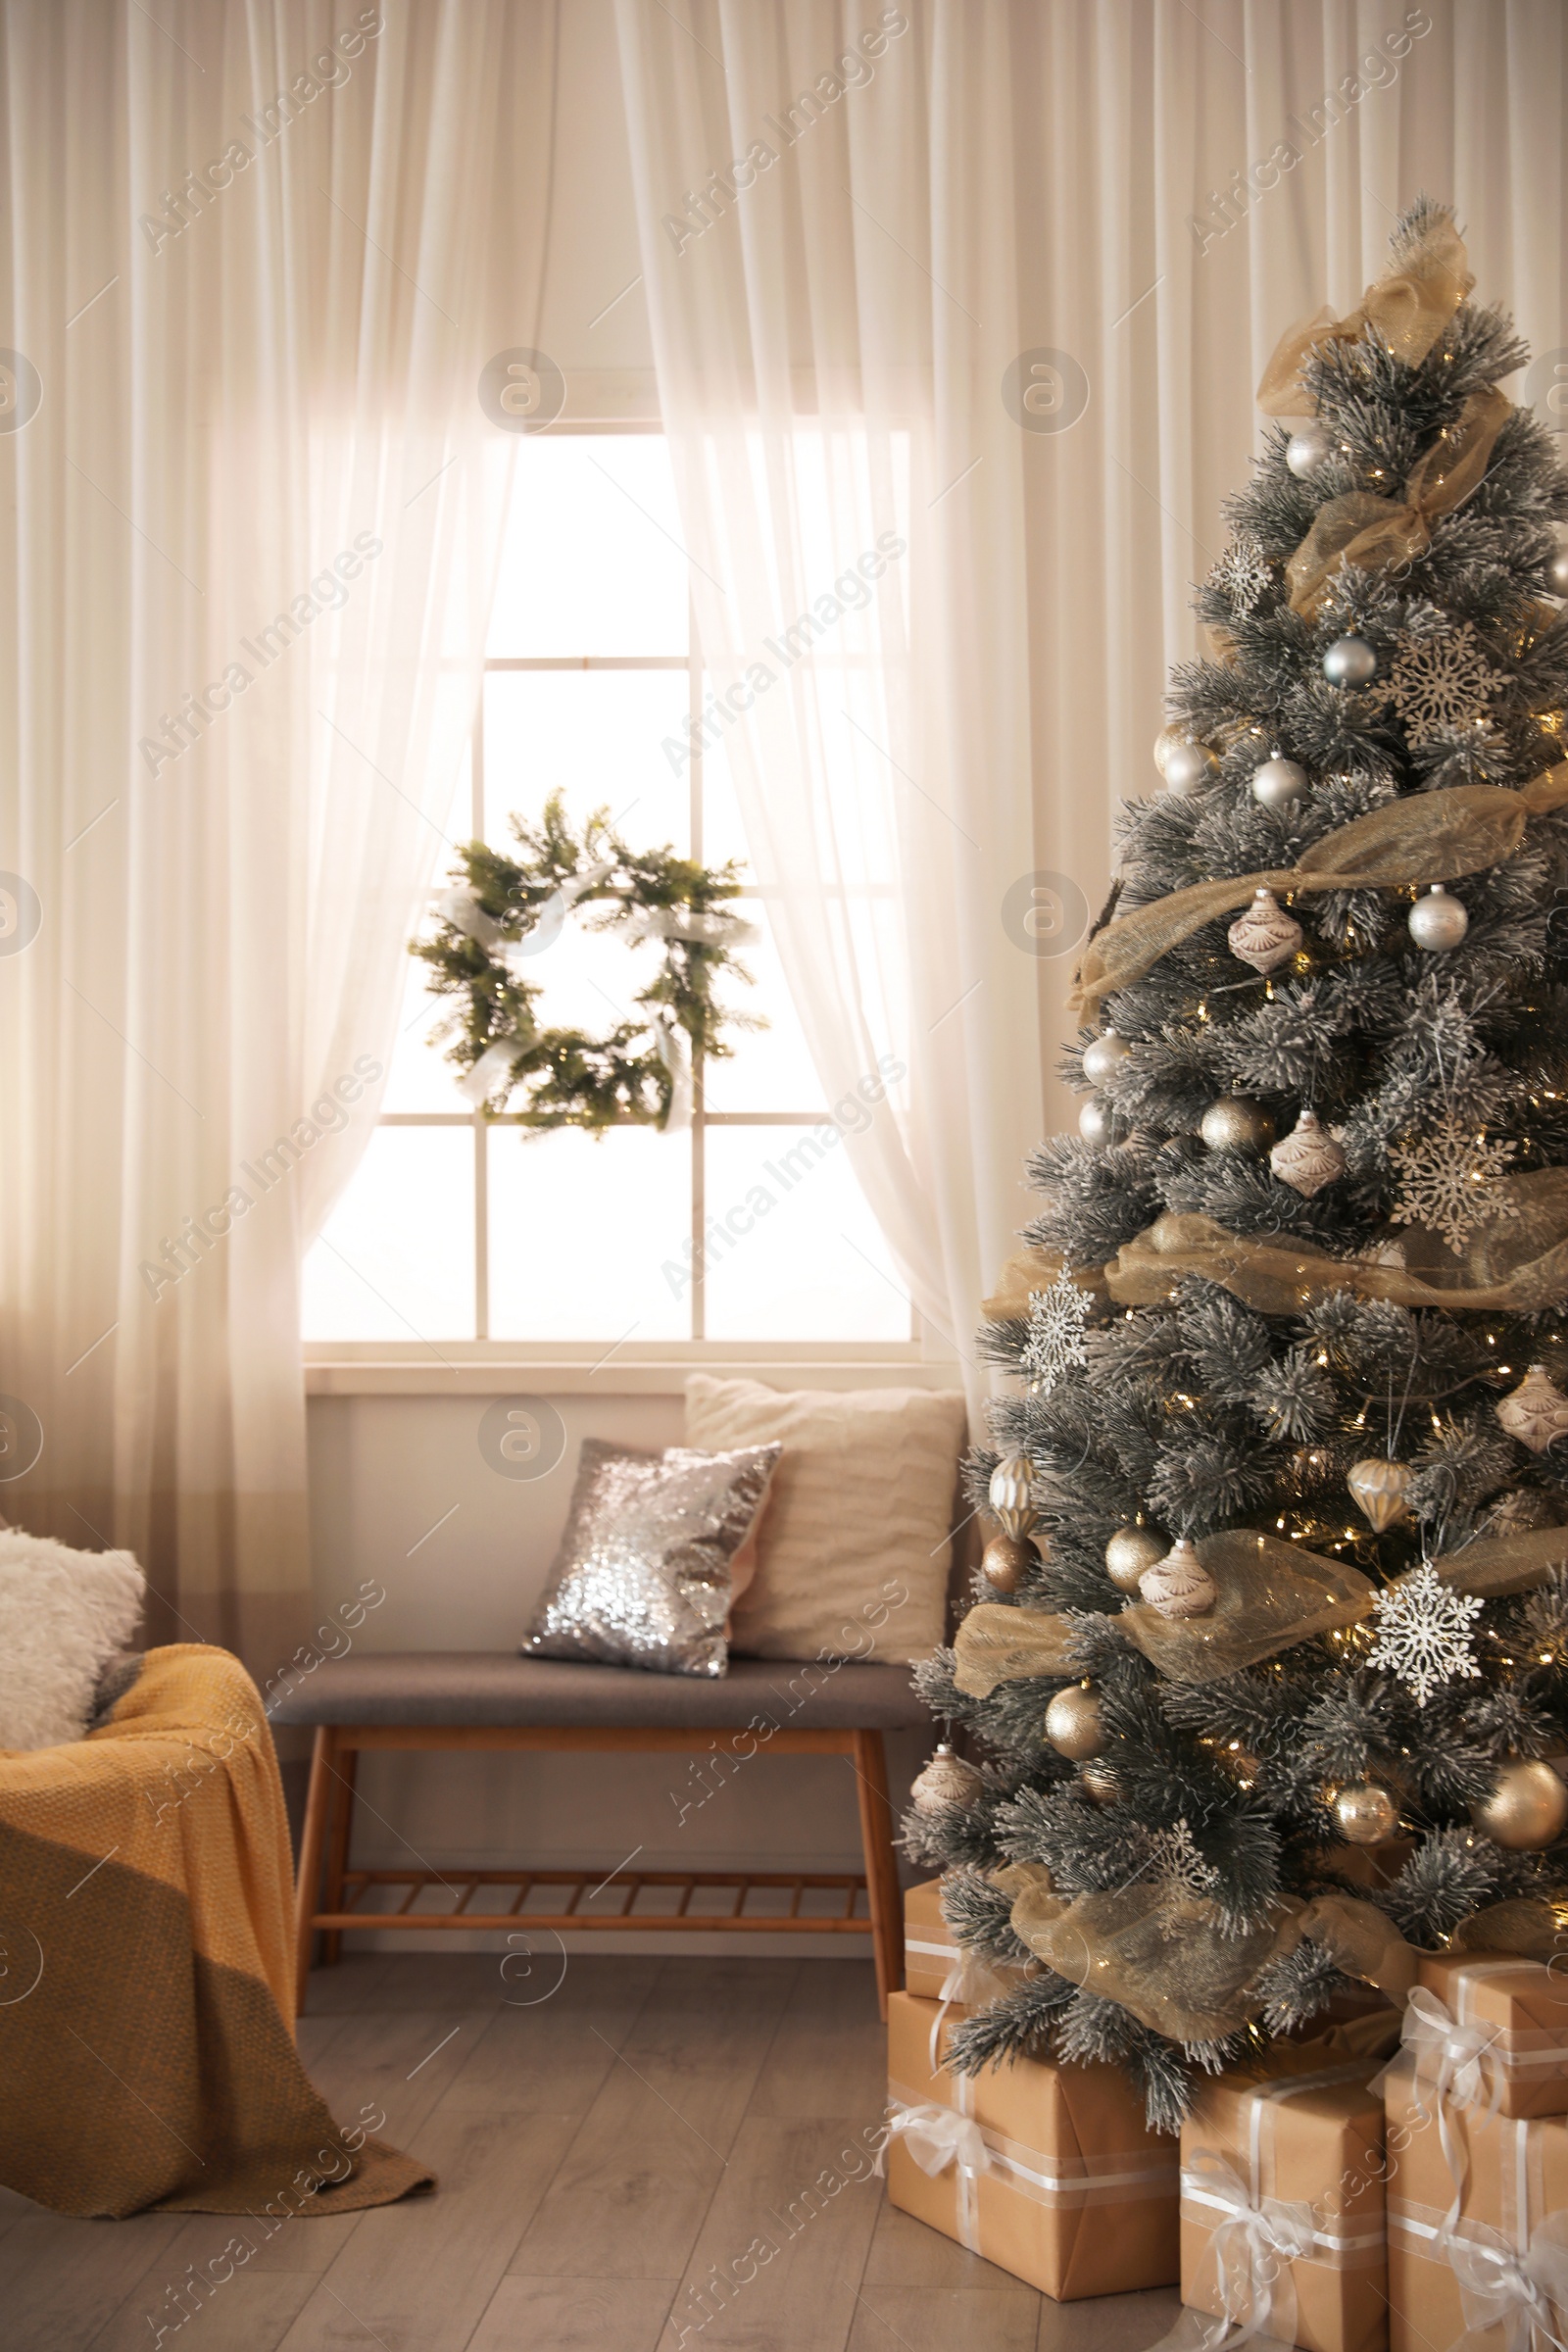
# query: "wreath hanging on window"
x,y
500,911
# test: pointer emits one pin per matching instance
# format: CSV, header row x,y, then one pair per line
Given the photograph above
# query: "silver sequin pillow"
x,y
642,1576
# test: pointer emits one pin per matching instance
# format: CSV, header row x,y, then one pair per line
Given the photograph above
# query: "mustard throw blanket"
x,y
146,2001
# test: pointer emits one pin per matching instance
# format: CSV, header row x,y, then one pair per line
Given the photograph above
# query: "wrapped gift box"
x,y
1057,2178
1291,2162
1526,2059
936,1966
1515,2175
930,1947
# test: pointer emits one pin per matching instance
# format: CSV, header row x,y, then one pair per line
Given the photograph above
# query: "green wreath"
x,y
502,910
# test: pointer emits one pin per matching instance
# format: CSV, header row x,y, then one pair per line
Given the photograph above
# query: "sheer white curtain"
x,y
247,545
851,490
999,276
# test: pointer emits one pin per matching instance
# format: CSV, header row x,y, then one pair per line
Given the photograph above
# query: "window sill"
x,y
482,1368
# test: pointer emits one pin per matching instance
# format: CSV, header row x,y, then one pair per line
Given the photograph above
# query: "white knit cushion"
x,y
853,1551
63,1614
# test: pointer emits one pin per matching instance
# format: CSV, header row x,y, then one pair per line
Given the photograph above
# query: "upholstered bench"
x,y
483,1699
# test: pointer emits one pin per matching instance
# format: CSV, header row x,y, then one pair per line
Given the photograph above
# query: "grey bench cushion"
x,y
492,1687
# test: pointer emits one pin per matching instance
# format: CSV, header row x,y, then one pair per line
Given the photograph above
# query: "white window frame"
x,y
345,1367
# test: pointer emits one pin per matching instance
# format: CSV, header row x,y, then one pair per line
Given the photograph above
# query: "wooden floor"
x,y
600,2152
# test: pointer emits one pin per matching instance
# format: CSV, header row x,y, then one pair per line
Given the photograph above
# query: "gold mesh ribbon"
x,y
1031,1270
1524,1927
998,1645
1162,1956
1360,1939
1516,1264
1424,837
1407,308
1167,1959
1376,533
1271,1596
1503,1564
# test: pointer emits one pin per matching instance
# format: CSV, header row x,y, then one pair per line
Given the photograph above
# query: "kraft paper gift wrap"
x,y
1048,2171
1495,2277
1282,2196
936,1966
1516,2012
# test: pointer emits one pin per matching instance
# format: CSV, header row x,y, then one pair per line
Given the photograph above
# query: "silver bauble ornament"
x,y
1104,1054
1439,921
1349,661
1308,448
1379,1488
947,1780
1233,1124
1188,765
1011,1495
1072,1724
1004,1563
1365,1813
1537,1411
1130,1551
1557,572
1308,1157
1264,935
1099,1782
1098,1122
1278,782
1179,1585
1527,1809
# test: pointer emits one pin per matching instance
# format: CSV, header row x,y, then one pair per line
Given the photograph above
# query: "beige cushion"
x,y
854,1550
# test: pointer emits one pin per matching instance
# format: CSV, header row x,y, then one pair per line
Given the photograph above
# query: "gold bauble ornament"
x,y
1179,1585
1379,1488
1526,1810
1265,936
1004,1563
1099,1783
1366,1814
947,1780
1537,1412
1072,1723
1308,1157
1130,1551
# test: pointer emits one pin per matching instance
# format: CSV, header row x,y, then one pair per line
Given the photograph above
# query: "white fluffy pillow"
x,y
63,1615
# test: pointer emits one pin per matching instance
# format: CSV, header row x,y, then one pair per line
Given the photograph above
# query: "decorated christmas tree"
x,y
1271,1654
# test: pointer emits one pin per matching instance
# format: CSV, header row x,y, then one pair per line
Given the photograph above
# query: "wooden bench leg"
x,y
309,1875
346,1762
881,1871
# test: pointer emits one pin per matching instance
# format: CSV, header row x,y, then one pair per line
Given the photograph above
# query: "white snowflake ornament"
x,y
1181,1874
1055,1340
1424,1633
1448,1179
1441,682
1244,574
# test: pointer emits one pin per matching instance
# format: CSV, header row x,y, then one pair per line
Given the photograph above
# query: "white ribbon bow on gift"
x,y
937,2136
1448,2064
1524,2293
1253,2246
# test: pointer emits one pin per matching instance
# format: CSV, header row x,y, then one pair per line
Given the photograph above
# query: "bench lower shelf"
x,y
472,1885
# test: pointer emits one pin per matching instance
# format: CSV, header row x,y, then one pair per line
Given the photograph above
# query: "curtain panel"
x,y
247,531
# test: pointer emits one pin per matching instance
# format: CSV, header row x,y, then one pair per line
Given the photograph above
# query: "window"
x,y
738,1233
